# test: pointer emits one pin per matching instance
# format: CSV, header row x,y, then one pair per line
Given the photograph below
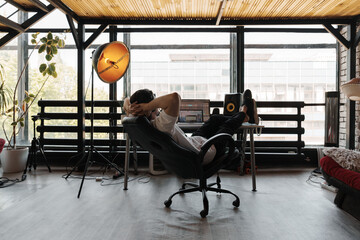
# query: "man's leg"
x,y
211,126
232,124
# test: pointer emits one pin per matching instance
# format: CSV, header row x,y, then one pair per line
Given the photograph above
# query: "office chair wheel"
x,y
236,203
203,213
167,203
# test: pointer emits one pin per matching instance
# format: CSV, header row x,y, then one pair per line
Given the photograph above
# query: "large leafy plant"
x,y
47,46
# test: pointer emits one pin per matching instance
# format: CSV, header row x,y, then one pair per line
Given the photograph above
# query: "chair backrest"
x,y
176,159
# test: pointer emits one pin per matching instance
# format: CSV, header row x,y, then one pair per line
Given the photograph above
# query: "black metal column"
x,y
240,59
81,87
127,76
351,72
233,63
112,96
113,86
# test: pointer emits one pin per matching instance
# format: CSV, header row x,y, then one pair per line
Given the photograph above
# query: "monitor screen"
x,y
194,110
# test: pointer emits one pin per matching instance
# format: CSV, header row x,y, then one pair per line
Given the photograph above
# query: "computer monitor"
x,y
194,110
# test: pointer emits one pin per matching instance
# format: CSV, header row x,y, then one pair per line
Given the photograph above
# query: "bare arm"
x,y
169,103
126,106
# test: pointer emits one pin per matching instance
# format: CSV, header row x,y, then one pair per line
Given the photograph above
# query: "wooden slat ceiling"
x,y
209,9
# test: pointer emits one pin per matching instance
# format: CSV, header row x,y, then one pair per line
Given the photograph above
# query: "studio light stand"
x,y
108,71
35,147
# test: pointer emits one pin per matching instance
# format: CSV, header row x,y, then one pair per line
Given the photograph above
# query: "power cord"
x,y
315,178
7,182
141,179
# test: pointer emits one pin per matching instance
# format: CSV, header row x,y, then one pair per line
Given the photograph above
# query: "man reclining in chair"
x,y
143,102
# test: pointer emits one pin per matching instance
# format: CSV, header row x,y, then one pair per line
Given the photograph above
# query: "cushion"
x,y
346,158
333,169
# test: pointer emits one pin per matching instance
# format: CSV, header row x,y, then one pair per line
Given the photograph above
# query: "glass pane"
x,y
192,73
292,75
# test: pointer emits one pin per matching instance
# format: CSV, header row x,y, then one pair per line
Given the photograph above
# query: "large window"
x,y
196,65
292,71
278,67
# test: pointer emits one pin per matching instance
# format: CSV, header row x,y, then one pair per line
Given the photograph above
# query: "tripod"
x,y
89,154
35,147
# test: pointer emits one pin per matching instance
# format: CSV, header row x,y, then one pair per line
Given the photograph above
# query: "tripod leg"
x,y
85,171
27,164
108,161
77,164
43,155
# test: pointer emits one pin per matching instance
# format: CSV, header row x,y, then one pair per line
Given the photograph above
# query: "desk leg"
x,y
252,159
127,159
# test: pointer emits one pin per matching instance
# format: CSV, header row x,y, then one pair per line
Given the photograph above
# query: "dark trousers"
x,y
220,124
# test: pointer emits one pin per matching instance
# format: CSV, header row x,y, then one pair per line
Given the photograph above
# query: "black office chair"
x,y
184,163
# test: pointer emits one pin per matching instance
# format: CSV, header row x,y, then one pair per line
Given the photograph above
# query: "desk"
x,y
248,128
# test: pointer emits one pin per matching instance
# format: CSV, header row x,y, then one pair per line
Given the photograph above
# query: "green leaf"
x,y
22,124
49,36
33,41
48,49
61,43
42,67
54,74
31,95
52,67
48,57
44,73
27,99
42,48
43,40
53,49
13,123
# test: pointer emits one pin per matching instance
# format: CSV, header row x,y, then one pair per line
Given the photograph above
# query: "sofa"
x,y
341,171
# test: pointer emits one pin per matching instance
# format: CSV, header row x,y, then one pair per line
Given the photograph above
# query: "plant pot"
x,y
14,160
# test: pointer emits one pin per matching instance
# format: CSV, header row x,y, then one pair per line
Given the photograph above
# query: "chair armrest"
x,y
223,138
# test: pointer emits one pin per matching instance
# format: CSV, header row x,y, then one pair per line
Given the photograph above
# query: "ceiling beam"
x,y
13,25
17,5
336,33
224,22
40,5
197,29
25,25
220,12
73,31
92,38
65,9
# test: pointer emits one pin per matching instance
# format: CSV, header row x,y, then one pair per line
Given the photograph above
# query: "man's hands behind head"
x,y
139,109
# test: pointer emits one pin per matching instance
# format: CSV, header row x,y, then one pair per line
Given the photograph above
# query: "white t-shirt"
x,y
167,124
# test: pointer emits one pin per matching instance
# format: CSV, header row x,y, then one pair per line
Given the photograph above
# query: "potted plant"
x,y
13,158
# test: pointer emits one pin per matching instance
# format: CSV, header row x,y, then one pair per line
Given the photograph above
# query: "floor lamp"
x,y
110,61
